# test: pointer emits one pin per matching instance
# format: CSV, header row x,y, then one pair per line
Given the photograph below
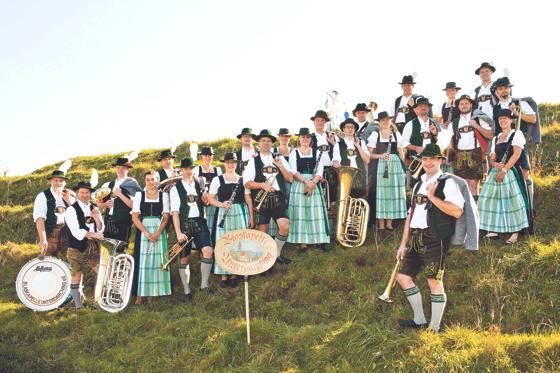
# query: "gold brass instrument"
x,y
415,167
166,185
352,213
114,277
101,195
173,252
386,296
262,194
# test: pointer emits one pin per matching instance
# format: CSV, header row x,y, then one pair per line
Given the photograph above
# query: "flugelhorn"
x,y
173,252
415,167
386,296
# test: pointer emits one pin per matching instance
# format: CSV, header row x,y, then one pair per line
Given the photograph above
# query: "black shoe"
x,y
283,260
410,324
207,291
232,283
188,297
224,284
324,248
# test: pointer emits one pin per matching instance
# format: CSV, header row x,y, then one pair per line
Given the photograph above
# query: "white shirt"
x,y
249,172
175,201
450,190
372,139
518,140
407,132
73,224
525,107
293,161
169,172
467,140
118,183
486,106
322,140
247,154
40,207
137,200
401,117
215,185
350,145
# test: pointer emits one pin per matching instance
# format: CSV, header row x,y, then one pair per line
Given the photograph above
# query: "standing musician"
x,y
449,110
430,224
502,203
150,215
528,116
465,151
402,110
484,96
166,159
187,200
309,221
235,208
352,151
208,172
390,193
247,150
119,220
325,139
267,174
283,149
48,214
86,226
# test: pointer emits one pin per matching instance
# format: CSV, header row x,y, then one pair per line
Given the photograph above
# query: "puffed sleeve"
x,y
136,201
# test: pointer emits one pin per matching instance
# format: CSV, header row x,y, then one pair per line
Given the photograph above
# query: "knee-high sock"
x,y
415,299
280,241
205,269
185,274
75,289
438,306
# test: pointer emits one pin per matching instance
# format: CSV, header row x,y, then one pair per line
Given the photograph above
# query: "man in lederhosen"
x,y
119,220
430,223
247,150
483,94
402,109
267,173
86,226
48,214
325,140
187,200
166,159
465,150
449,110
365,129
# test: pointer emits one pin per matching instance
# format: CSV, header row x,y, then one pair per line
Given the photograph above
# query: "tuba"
x,y
353,213
114,277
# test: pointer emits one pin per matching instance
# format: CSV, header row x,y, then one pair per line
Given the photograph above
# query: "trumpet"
x,y
262,194
173,252
415,167
387,293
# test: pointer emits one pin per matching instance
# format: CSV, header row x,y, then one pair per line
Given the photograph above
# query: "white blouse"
x,y
137,200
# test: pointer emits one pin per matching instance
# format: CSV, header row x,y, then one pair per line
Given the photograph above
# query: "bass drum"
x,y
44,284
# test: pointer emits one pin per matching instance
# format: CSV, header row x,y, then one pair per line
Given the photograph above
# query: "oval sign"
x,y
245,252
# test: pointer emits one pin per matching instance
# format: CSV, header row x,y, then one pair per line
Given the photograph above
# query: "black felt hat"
x,y
187,162
57,173
166,154
229,157
502,82
321,114
247,131
122,162
83,184
382,115
505,113
407,79
360,107
207,150
451,85
421,100
304,131
431,150
284,131
266,133
464,97
483,65
347,121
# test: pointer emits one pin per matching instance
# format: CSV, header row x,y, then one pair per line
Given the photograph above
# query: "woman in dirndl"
x,y
208,172
502,204
238,212
150,214
391,178
307,211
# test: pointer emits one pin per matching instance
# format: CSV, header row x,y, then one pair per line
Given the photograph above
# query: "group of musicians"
x,y
296,189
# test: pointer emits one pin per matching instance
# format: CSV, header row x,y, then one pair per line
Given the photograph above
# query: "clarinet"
x,y
386,171
231,199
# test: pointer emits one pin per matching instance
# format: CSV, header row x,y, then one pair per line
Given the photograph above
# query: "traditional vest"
x,y
241,164
162,175
185,208
306,165
149,209
121,212
381,147
344,160
260,178
440,224
50,222
523,126
208,176
445,113
314,144
226,189
74,242
457,134
410,114
502,148
416,137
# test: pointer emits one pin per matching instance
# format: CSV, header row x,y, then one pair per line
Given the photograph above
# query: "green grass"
x,y
319,314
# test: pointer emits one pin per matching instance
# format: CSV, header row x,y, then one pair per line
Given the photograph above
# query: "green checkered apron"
x,y
237,218
309,222
500,205
391,194
152,280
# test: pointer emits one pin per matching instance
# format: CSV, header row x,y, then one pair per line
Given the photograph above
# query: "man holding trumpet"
x,y
436,204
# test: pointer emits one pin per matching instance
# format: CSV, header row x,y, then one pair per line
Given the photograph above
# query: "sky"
x,y
87,78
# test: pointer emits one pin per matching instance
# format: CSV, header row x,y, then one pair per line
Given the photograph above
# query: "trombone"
x,y
387,293
173,252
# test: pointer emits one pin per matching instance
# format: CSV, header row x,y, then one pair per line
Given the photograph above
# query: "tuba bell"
x,y
114,277
353,213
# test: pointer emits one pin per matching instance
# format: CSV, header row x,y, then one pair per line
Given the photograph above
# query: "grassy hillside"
x,y
319,314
